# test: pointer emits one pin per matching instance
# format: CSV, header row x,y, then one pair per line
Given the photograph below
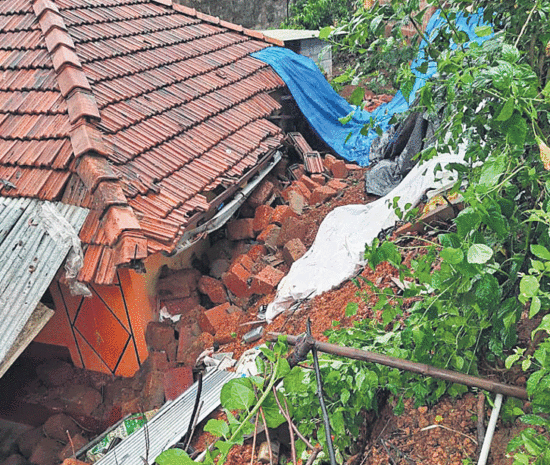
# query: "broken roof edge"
x,y
90,148
219,22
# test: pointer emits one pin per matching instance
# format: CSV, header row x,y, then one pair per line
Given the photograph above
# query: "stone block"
x,y
321,195
292,229
261,194
266,280
238,230
339,170
219,267
336,185
80,400
46,452
159,335
318,179
262,218
56,427
54,373
27,441
178,285
296,202
177,381
153,391
293,250
78,442
256,252
280,214
213,288
214,320
190,354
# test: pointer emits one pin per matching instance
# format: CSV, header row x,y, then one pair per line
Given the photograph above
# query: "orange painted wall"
x,y
106,332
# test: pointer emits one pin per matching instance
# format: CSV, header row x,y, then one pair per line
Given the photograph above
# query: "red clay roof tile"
x,y
182,112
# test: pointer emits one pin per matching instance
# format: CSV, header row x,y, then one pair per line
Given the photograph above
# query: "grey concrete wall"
x,y
253,14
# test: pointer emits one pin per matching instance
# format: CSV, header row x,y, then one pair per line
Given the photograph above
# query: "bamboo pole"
x,y
421,368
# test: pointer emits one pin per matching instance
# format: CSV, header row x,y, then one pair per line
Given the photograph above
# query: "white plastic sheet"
x,y
337,253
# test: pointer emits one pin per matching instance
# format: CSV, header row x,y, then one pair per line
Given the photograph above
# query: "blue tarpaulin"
x,y
323,107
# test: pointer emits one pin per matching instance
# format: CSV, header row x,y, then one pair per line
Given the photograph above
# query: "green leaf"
x,y
273,416
535,420
515,129
237,394
483,31
351,308
479,253
540,251
294,381
487,292
506,110
282,368
218,428
346,119
357,96
452,255
174,457
423,68
467,220
535,306
325,32
544,325
529,286
491,170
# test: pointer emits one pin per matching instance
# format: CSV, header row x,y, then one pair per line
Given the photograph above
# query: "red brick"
x,y
236,280
171,351
177,381
293,250
261,195
214,320
292,229
213,288
238,230
153,391
158,361
245,261
182,306
262,218
256,252
339,170
296,202
270,236
336,185
179,284
285,194
322,194
266,280
187,336
310,183
80,399
16,459
224,337
302,189
27,441
319,179
57,426
159,335
190,354
280,214
329,160
46,452
77,442
353,167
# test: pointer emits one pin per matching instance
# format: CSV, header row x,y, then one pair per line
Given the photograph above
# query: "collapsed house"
x,y
141,122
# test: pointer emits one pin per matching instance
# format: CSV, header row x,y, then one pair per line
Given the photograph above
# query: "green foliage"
x,y
315,14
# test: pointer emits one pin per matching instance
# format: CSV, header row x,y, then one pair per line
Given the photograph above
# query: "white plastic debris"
x,y
164,315
246,366
61,231
337,253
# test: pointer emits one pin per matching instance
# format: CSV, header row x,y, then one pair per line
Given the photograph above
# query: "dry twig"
x,y
254,440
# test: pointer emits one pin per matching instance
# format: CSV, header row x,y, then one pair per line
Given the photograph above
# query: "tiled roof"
x,y
141,111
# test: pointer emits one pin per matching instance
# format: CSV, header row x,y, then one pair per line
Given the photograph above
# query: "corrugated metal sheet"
x,y
29,260
169,424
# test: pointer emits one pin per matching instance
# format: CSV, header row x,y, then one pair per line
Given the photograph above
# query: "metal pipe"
x,y
423,369
490,431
